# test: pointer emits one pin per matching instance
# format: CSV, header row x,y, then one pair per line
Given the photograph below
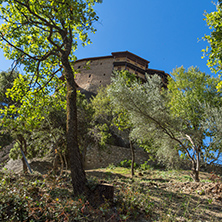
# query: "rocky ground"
x,y
40,165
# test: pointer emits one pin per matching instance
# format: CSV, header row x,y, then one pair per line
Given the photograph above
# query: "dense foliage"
x,y
111,120
43,36
6,82
171,117
213,51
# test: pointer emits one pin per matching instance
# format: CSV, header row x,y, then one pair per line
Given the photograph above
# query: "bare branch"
x,y
215,159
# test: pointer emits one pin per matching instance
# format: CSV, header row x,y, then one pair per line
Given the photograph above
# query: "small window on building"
x,y
101,63
89,75
104,74
79,67
100,81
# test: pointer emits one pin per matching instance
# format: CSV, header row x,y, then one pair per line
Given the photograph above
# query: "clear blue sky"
x,y
164,32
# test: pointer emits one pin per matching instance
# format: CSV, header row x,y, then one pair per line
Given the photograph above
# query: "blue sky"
x,y
164,32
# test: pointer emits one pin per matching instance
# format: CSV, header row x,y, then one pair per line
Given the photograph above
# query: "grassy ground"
x,y
152,195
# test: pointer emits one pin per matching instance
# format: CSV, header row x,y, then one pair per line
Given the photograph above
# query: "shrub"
x,y
145,166
127,164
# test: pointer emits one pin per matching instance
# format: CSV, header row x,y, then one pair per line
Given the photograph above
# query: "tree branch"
x,y
59,48
52,76
36,15
164,129
31,57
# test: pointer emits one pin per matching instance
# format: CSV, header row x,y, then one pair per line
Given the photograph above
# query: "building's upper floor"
x,y
96,71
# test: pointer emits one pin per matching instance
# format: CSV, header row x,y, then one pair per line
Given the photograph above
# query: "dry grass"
x,y
173,195
151,195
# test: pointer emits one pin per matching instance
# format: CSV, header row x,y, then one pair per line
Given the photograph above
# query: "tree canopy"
x,y
214,39
6,82
24,121
173,116
43,36
37,33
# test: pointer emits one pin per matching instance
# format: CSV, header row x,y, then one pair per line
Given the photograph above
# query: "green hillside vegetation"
x,y
154,194
151,118
45,116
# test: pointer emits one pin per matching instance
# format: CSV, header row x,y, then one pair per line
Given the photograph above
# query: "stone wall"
x,y
98,73
96,158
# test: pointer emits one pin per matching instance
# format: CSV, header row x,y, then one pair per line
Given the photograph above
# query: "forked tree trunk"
x,y
196,168
195,163
77,171
195,173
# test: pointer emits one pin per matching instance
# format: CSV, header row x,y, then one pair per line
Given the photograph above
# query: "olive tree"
x,y
171,117
189,92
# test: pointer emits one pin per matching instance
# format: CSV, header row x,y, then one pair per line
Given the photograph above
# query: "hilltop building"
x,y
96,71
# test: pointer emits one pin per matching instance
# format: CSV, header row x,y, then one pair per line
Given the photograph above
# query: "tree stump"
x,y
102,193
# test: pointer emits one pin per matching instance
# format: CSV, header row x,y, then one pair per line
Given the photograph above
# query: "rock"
x,y
14,165
39,165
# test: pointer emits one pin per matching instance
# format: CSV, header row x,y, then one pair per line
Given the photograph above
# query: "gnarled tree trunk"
x,y
23,147
196,167
133,157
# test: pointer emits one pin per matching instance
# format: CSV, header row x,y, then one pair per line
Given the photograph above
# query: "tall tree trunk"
x,y
195,163
83,156
24,166
25,153
196,168
133,157
195,175
77,171
197,179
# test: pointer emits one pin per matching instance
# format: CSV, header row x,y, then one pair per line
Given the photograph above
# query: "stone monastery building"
x,y
96,71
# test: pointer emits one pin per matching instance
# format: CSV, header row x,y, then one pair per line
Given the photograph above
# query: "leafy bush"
x,y
111,166
145,166
127,164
